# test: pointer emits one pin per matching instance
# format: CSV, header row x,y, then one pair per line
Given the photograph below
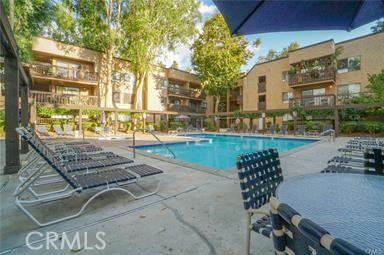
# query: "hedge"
x,y
371,127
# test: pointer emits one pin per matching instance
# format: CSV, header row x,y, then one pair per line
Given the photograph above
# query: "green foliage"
x,y
245,115
45,112
349,114
309,125
276,114
209,124
371,127
175,125
301,113
378,27
92,114
376,86
163,126
30,19
217,57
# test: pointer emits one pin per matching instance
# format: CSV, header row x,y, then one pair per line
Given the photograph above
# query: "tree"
x,y
175,65
378,27
151,28
29,18
376,86
96,25
272,54
217,57
292,46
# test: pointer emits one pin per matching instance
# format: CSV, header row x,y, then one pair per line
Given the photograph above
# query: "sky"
x,y
276,41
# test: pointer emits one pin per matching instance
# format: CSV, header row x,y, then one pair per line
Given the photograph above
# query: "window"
x,y
262,79
348,90
115,76
262,98
116,97
163,100
127,98
348,64
163,83
286,97
284,76
126,77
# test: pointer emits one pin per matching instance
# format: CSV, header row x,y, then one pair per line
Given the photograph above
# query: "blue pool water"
x,y
220,151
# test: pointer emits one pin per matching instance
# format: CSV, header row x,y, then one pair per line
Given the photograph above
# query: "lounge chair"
x,y
300,130
112,179
293,234
68,130
42,130
58,130
259,173
283,130
372,163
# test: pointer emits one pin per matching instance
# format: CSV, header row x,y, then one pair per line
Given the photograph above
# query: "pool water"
x,y
220,151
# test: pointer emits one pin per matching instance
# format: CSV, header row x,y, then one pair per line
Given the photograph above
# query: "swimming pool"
x,y
220,151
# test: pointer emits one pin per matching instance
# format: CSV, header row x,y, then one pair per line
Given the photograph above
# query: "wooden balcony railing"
x,y
54,71
261,87
185,108
313,101
64,99
328,73
262,106
192,93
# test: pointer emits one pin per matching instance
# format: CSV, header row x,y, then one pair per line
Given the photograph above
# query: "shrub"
x,y
163,126
371,127
175,125
209,124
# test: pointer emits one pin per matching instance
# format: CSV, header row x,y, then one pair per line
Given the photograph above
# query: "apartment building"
x,y
74,77
314,76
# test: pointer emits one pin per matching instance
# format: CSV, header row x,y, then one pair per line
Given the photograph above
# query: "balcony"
x,y
262,106
63,73
261,87
311,77
190,93
185,108
63,99
320,101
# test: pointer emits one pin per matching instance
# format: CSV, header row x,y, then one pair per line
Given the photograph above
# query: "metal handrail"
x,y
154,135
332,134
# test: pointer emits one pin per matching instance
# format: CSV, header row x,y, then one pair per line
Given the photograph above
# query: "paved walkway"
x,y
195,212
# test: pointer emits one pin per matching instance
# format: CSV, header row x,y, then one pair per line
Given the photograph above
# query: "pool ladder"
x,y
154,135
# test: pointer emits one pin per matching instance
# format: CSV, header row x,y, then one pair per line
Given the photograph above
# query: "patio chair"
x,y
293,234
58,130
300,130
272,129
42,130
111,179
283,130
259,175
68,130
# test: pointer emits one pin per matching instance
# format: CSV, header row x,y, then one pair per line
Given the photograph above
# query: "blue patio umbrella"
x,y
262,16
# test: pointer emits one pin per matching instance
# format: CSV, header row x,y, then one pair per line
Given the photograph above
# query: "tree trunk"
x,y
217,102
136,88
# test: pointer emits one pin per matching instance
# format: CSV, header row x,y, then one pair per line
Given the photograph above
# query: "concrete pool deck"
x,y
194,212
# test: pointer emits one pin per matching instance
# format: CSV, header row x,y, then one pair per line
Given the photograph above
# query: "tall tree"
x,y
378,27
29,18
175,64
292,46
152,28
217,57
96,25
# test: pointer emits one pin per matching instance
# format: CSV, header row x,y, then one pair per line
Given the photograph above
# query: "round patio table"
x,y
349,206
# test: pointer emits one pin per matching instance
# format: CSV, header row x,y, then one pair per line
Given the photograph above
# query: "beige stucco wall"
x,y
275,86
371,52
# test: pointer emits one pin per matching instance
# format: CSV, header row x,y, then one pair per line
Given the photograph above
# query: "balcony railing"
x,y
328,73
262,106
313,101
185,108
54,71
64,99
192,93
261,87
